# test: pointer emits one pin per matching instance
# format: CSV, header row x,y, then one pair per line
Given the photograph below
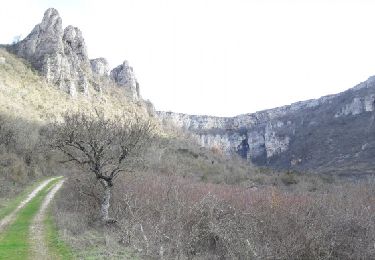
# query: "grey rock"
x,y
224,142
99,67
100,70
45,39
2,60
79,68
257,145
307,135
123,75
357,106
275,143
60,55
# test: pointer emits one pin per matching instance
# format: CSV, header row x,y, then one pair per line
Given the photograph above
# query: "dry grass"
x,y
24,94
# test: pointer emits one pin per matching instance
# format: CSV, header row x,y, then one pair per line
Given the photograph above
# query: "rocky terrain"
x,y
61,56
331,134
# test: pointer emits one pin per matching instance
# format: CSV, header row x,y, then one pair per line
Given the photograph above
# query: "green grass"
x,y
57,247
14,242
11,204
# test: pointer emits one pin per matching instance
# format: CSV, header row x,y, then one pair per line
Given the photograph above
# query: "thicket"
x,y
22,158
171,217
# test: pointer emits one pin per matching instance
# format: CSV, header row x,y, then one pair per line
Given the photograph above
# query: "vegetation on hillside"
x,y
181,201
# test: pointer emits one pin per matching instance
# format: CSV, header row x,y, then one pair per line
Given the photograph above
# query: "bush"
x,y
177,218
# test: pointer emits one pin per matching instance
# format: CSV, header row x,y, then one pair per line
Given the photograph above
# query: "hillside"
x,y
333,134
27,95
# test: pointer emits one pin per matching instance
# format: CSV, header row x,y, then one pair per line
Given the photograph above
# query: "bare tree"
x,y
103,146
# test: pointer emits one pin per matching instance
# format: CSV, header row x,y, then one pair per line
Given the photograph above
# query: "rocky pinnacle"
x,y
60,55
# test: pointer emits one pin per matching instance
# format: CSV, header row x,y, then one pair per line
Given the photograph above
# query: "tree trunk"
x,y
105,201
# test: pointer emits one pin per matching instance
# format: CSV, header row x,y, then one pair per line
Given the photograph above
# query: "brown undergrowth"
x,y
173,217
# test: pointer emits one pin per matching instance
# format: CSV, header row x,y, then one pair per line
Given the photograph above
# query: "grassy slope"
x,y
24,94
14,242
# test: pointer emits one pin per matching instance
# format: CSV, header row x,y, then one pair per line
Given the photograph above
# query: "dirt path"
x,y
37,234
10,217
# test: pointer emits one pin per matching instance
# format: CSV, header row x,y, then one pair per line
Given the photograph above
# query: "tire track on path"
x,y
4,222
39,246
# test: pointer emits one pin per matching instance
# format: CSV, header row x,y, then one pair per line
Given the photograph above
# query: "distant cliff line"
x,y
303,135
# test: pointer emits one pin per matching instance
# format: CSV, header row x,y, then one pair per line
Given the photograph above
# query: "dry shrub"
x,y
22,159
183,157
171,217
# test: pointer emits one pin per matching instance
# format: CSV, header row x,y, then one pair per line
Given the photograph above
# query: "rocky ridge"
x,y
326,134
60,55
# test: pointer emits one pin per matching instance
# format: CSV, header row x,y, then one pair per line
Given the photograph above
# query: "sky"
x,y
220,57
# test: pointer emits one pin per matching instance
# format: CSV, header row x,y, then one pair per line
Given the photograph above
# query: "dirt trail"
x,y
10,217
37,235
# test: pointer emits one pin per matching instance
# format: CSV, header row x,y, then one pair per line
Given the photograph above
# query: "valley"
x,y
292,182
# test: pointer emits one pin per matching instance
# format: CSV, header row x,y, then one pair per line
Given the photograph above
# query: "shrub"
x,y
171,217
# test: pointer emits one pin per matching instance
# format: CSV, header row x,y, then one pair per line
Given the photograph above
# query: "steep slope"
x,y
334,133
25,94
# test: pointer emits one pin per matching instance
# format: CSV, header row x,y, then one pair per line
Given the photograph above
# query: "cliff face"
x,y
334,133
60,55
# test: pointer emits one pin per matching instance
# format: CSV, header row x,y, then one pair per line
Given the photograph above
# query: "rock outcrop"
x,y
60,55
329,134
124,76
99,67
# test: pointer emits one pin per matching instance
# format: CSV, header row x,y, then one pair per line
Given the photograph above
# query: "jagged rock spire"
x,y
124,76
61,57
44,39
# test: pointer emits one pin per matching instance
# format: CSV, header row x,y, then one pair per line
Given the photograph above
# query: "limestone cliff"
x,y
60,55
326,134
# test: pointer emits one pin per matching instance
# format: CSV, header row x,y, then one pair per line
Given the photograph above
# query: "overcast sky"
x,y
220,57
